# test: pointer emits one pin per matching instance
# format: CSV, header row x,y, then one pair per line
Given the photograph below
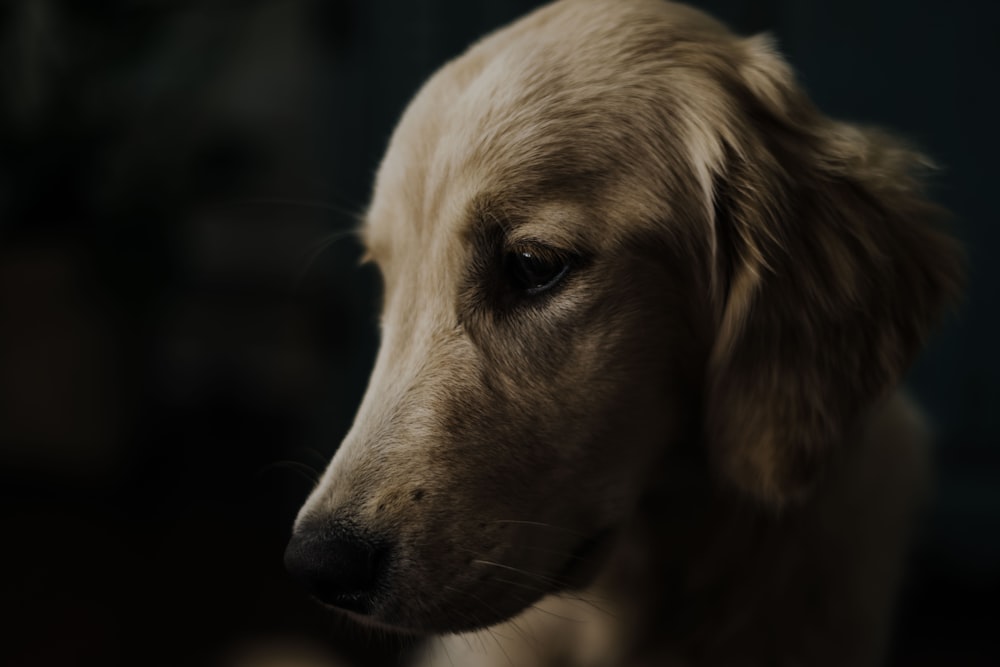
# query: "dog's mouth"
x,y
498,595
400,607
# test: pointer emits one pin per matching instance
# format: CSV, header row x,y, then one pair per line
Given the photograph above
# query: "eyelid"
x,y
571,248
528,244
546,251
537,246
550,236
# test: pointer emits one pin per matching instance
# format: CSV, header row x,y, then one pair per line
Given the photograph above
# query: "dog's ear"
x,y
828,271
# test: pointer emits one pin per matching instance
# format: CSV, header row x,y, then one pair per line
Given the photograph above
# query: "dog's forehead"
x,y
558,103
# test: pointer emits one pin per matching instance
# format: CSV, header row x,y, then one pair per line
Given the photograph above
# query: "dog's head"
x,y
604,229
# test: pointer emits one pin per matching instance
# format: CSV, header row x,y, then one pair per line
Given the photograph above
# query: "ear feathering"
x,y
831,268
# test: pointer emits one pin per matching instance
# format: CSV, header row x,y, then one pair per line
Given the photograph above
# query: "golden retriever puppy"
x,y
645,313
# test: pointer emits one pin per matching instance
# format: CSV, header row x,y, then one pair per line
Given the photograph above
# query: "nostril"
x,y
336,564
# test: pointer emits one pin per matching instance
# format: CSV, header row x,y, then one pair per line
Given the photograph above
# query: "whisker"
x,y
319,459
592,603
536,607
466,615
304,470
513,624
540,524
444,646
566,595
479,634
513,546
496,633
500,646
492,632
319,248
555,582
555,615
316,204
539,589
533,575
520,584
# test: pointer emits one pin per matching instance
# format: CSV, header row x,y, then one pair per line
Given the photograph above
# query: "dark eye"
x,y
535,269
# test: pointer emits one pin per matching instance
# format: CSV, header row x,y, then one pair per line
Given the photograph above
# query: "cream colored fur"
x,y
689,452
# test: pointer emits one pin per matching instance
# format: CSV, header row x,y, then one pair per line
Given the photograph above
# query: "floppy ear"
x,y
828,271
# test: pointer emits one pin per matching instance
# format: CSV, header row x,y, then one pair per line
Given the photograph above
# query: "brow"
x,y
553,221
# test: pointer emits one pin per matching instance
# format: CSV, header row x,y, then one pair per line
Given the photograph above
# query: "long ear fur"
x,y
829,270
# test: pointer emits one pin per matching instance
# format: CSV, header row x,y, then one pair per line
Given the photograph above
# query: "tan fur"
x,y
707,397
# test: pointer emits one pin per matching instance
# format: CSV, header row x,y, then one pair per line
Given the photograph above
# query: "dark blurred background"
x,y
185,332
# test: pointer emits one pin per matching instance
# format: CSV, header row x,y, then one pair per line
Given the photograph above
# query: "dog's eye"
x,y
534,269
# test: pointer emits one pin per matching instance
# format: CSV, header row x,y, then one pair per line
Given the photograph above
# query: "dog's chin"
x,y
403,617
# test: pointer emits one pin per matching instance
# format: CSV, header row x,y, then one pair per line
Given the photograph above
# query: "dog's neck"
x,y
684,552
705,576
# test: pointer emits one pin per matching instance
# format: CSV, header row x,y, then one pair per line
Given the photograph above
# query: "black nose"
x,y
336,564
